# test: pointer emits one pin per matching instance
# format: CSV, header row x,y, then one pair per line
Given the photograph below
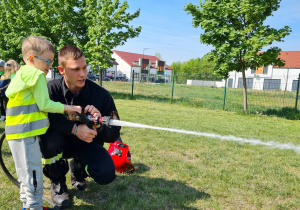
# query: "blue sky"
x,y
168,30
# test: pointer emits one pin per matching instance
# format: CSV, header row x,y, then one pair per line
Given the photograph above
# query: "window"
x,y
249,83
136,76
230,82
272,84
265,70
294,85
152,77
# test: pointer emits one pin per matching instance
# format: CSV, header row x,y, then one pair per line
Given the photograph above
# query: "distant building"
x,y
270,77
146,68
265,77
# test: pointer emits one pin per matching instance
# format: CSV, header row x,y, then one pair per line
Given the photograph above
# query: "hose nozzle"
x,y
89,119
104,120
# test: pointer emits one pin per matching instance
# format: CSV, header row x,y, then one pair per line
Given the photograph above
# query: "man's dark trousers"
x,y
100,165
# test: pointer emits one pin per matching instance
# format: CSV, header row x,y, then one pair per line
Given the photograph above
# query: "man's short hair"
x,y
67,52
36,45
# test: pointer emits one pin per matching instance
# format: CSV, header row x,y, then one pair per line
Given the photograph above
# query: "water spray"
x,y
271,144
113,122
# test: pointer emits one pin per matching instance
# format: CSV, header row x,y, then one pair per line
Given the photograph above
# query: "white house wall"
x,y
123,67
205,83
286,76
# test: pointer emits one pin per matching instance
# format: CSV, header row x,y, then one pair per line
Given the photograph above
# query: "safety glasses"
x,y
48,62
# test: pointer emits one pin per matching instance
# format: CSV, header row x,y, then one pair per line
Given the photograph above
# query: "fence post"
x,y
173,76
224,97
132,80
297,94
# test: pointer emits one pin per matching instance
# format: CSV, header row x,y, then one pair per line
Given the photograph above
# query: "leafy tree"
x,y
206,66
96,26
235,29
54,19
197,69
108,27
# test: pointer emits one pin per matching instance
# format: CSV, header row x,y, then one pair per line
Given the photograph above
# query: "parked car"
x,y
107,79
123,79
161,81
103,78
91,77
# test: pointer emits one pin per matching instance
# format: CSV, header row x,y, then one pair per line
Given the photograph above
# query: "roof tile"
x,y
291,58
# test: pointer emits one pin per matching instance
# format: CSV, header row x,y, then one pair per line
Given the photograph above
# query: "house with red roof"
x,y
140,67
270,77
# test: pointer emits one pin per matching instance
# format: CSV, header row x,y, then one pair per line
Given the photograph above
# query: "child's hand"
x,y
71,110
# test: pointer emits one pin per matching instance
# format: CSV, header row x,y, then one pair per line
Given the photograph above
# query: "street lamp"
x,y
146,48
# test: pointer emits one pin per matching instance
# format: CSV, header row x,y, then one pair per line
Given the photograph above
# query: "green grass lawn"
x,y
180,171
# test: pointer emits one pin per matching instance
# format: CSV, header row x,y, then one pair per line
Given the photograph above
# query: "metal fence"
x,y
272,95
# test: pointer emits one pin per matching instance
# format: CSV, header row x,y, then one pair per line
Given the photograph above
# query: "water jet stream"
x,y
271,144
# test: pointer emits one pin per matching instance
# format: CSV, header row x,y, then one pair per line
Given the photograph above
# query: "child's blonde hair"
x,y
14,68
36,45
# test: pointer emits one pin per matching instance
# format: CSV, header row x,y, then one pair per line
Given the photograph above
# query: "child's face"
x,y
7,68
41,64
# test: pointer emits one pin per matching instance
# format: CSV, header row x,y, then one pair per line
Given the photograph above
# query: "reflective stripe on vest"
x,y
26,109
26,127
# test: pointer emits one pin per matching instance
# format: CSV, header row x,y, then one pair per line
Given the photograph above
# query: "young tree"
x,y
235,29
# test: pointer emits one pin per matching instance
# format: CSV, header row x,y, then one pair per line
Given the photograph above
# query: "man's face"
x,y
74,73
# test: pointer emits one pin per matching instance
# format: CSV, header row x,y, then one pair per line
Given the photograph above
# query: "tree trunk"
x,y
244,90
100,76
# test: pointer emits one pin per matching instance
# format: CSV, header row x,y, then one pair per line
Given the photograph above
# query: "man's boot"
x,y
59,193
78,174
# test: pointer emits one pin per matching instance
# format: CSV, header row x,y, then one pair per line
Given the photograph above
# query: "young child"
x,y
26,118
10,68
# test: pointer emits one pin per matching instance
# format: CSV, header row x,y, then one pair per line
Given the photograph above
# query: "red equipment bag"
x,y
121,156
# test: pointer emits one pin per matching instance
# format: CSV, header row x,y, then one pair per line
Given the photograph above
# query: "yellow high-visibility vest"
x,y
24,119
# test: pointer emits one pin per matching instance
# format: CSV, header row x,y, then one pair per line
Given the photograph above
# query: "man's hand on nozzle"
x,y
94,112
85,134
72,110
